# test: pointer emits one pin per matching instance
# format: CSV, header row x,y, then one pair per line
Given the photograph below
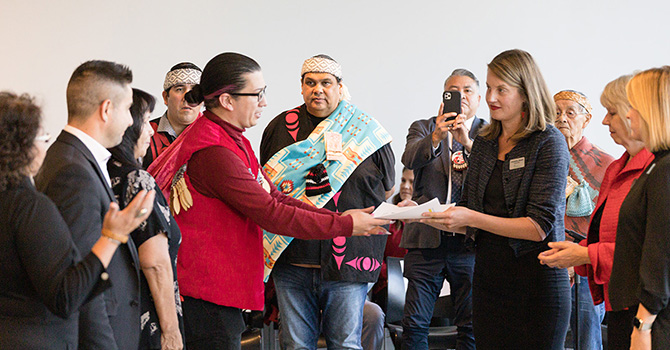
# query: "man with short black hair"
x,y
436,150
179,114
330,154
74,175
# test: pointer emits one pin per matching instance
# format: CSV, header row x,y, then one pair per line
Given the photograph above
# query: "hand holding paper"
x,y
453,219
394,212
366,224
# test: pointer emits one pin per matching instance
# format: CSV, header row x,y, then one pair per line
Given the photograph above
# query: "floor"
x,y
266,339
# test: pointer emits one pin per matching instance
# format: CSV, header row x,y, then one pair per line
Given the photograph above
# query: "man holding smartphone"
x,y
436,150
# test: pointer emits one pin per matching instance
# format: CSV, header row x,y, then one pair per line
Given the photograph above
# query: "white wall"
x,y
395,54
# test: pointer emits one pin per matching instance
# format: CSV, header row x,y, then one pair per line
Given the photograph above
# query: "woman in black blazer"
x,y
43,280
513,204
640,280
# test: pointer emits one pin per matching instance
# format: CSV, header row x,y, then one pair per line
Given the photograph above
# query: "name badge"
x,y
517,163
333,146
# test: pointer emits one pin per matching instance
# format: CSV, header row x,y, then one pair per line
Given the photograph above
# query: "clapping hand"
x,y
125,221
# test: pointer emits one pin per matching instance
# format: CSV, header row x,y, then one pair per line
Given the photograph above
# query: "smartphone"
x,y
452,103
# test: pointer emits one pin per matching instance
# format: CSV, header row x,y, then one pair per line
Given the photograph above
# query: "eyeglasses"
x,y
46,137
260,94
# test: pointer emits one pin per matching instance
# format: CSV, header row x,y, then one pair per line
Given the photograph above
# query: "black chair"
x,y
441,334
252,337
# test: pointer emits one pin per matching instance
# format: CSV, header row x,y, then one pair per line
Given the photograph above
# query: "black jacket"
x,y
41,287
534,175
71,177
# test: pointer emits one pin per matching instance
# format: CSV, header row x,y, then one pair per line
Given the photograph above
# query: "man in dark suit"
x,y
437,150
74,175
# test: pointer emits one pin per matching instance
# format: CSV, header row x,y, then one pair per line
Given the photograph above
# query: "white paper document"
x,y
393,212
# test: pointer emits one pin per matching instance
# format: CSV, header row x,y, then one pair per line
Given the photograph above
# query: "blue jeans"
x,y
426,270
372,336
590,317
307,302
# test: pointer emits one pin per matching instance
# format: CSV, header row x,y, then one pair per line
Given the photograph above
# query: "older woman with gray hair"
x,y
588,163
593,257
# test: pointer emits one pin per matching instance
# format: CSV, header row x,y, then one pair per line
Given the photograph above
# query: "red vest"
x,y
221,255
159,141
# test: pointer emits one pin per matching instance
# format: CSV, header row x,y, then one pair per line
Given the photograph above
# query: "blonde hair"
x,y
518,69
649,93
614,97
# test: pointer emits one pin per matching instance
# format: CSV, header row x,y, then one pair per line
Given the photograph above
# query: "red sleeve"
x,y
602,258
288,200
219,173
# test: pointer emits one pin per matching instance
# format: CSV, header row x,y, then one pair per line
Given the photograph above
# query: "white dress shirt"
x,y
100,153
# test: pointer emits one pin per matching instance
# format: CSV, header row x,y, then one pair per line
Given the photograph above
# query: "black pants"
x,y
212,327
619,328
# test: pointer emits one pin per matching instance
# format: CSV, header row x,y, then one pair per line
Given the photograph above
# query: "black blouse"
x,y
127,181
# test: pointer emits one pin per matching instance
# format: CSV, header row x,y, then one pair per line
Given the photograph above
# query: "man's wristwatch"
x,y
641,325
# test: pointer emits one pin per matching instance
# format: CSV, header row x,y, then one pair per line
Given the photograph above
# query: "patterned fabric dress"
x,y
127,181
587,169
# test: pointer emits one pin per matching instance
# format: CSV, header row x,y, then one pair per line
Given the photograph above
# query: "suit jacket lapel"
x,y
474,130
444,144
72,140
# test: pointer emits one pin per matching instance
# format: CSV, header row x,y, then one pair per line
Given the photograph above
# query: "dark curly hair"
x,y
20,120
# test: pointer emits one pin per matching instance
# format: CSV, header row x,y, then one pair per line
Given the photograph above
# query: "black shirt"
x,y
365,187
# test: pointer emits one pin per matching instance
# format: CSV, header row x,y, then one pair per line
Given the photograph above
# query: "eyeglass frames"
x,y
260,94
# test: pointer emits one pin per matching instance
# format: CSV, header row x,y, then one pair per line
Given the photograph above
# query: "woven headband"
x,y
181,76
573,96
321,65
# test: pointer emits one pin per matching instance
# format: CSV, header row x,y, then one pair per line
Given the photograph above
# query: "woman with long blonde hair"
x,y
641,271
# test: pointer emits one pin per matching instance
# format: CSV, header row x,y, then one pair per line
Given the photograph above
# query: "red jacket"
x,y
221,255
618,179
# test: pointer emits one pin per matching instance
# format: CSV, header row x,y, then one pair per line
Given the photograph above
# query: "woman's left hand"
x,y
137,211
640,340
453,219
564,254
